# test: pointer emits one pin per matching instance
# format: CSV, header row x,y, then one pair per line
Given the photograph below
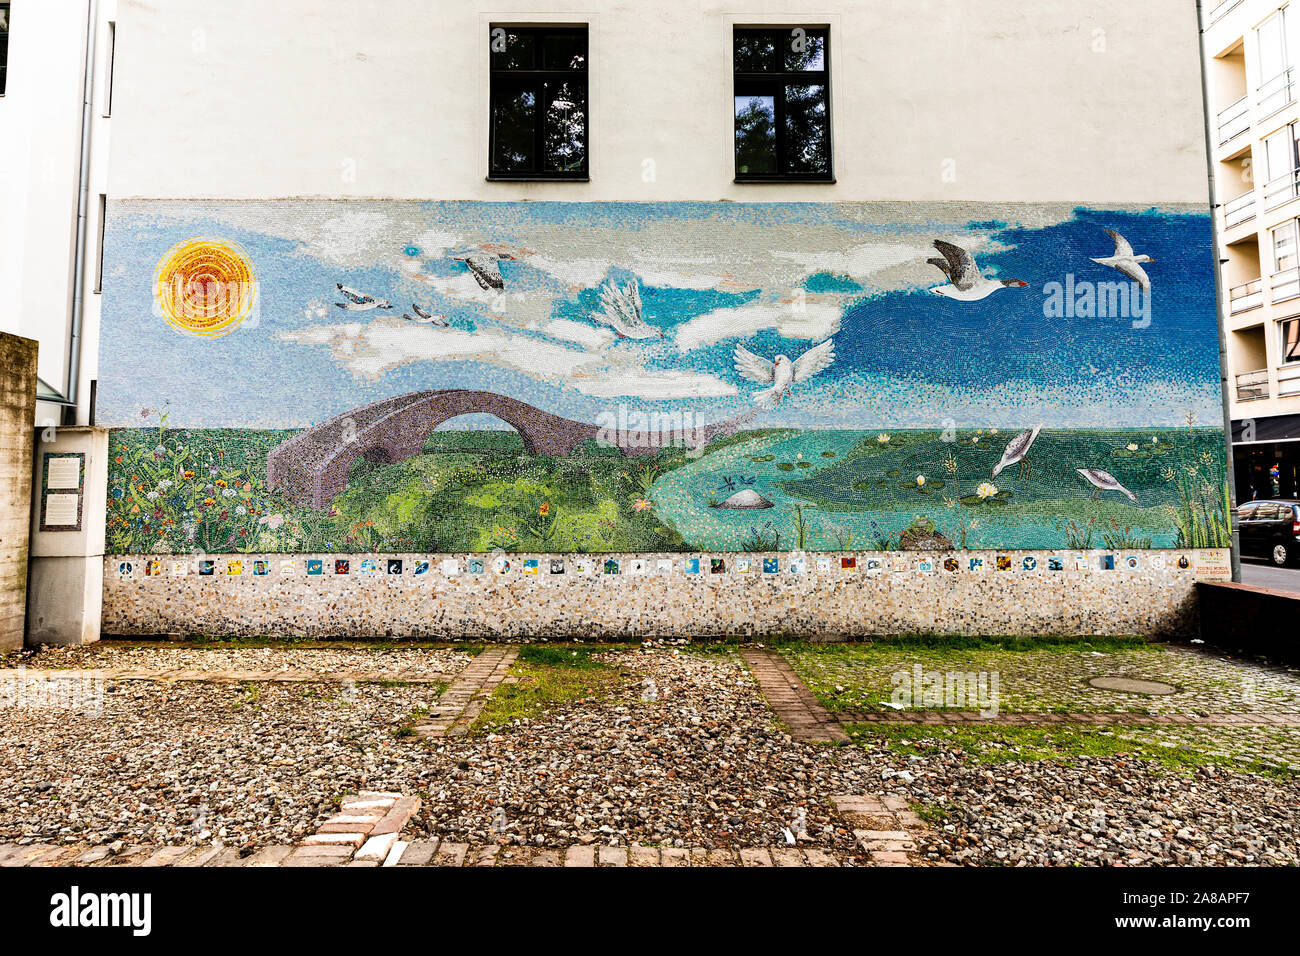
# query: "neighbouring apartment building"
x,y
1250,52
681,318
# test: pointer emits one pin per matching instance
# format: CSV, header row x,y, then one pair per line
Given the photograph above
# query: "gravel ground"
x,y
858,678
1103,811
687,753
366,662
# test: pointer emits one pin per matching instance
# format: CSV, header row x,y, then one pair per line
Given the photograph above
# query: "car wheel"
x,y
1281,556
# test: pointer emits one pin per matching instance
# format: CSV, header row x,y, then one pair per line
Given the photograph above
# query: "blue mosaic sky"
x,y
775,279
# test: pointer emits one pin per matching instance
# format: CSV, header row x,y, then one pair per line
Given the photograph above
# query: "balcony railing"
x,y
1275,94
1223,7
1282,190
1288,380
1234,120
1252,386
1239,210
1285,284
1247,296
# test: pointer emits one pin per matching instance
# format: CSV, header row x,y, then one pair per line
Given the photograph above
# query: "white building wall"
x,y
40,150
1042,101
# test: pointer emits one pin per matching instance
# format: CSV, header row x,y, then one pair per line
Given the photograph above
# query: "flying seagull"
x,y
426,318
1126,262
485,267
1015,452
965,281
622,312
359,301
1104,481
781,373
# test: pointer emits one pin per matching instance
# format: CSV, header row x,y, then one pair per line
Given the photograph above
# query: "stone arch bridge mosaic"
x,y
313,467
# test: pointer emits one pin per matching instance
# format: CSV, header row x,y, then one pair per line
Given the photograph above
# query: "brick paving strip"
x,y
295,674
886,827
463,701
794,703
366,832
946,717
432,852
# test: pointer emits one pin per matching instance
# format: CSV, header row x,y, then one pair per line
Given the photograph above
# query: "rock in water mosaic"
x,y
319,377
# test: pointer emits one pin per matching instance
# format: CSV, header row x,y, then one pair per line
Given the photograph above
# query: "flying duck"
x,y
965,281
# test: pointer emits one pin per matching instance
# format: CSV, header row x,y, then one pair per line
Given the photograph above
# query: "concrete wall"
x,y
18,359
1092,102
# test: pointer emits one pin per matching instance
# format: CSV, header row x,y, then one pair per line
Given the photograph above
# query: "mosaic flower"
x,y
986,489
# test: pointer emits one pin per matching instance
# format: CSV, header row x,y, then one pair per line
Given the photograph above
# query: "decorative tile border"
x,y
826,596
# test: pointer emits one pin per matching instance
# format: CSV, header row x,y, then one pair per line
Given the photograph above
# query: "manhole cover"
x,y
1131,685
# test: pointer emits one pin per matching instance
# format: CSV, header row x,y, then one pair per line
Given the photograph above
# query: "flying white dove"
x,y
426,318
622,312
359,301
1126,262
965,281
781,373
485,267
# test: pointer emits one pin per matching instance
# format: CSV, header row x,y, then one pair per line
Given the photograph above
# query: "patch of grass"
x,y
932,814
1062,744
251,694
407,727
973,642
546,677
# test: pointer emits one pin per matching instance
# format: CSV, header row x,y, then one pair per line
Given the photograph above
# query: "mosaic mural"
x,y
319,377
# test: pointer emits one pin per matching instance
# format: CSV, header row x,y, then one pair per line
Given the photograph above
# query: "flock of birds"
x,y
621,311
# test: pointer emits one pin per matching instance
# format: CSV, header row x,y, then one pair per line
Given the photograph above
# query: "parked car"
x,y
1271,529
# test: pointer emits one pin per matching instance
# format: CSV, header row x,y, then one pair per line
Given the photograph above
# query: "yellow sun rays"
x,y
205,286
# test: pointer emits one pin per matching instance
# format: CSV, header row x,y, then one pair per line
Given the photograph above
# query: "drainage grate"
x,y
1132,685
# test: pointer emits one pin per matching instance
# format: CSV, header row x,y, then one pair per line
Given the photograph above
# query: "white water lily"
x,y
986,489
882,438
920,480
1132,446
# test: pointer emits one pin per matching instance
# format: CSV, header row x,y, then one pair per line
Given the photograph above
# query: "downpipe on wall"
x,y
1230,468
83,205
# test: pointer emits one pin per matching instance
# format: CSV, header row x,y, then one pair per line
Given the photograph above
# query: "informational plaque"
x,y
62,491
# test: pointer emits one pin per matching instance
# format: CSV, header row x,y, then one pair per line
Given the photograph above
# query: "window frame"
x,y
539,76
778,80
1282,324
7,7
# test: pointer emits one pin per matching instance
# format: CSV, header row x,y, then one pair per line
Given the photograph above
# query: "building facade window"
x,y
1275,74
782,101
538,103
1286,277
4,45
1290,329
1282,167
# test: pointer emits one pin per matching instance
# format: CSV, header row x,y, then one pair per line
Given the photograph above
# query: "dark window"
x,y
4,45
1291,340
538,103
108,68
782,104
103,228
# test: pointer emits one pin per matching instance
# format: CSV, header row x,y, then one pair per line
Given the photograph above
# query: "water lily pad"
x,y
785,466
804,464
828,454
762,457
